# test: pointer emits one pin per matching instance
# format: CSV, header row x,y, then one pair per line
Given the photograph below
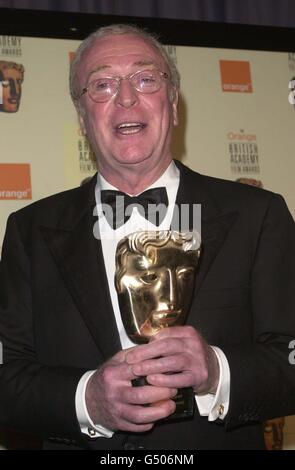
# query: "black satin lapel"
x,y
79,258
192,190
214,233
215,224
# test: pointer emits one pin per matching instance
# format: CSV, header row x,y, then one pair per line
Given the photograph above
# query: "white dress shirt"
x,y
213,406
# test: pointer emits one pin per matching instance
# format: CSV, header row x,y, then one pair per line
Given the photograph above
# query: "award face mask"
x,y
155,274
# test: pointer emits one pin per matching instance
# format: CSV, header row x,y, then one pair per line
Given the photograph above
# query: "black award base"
x,y
185,401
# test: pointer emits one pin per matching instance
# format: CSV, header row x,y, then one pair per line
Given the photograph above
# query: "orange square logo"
x,y
236,76
15,181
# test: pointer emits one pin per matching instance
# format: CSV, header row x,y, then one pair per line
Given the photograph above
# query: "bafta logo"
x,y
11,79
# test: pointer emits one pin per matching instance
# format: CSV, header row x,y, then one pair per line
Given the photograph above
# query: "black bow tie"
x,y
118,206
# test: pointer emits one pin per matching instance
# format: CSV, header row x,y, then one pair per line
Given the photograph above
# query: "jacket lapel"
x,y
215,224
78,255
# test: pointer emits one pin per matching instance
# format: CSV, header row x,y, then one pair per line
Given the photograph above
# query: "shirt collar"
x,y
169,179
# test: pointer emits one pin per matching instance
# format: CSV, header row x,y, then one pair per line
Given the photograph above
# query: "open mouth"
x,y
127,128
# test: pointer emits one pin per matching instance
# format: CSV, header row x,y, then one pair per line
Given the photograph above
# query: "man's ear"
x,y
81,122
174,106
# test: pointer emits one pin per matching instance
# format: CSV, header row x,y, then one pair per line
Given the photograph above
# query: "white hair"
x,y
116,29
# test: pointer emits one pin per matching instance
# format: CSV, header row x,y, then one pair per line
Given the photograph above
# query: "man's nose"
x,y
127,95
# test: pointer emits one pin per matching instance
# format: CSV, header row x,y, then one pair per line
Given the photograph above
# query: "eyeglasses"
x,y
144,81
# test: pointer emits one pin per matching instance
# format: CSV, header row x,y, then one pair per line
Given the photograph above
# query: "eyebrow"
x,y
139,63
97,69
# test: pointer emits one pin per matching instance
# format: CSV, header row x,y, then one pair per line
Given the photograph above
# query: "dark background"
x,y
260,12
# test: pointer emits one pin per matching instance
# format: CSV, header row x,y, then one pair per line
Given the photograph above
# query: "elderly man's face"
x,y
131,127
11,79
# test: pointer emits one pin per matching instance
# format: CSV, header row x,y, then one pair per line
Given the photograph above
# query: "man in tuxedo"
x,y
68,362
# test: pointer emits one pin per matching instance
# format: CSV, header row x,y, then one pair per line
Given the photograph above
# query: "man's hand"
x,y
177,357
113,403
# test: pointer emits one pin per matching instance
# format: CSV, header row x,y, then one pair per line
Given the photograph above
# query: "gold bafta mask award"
x,y
155,274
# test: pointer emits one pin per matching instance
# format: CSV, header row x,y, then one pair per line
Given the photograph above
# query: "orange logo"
x,y
235,76
15,181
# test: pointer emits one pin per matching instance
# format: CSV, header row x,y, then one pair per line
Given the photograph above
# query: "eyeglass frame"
x,y
119,80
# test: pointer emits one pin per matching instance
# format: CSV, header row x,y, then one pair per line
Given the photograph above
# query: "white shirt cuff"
x,y
216,405
86,424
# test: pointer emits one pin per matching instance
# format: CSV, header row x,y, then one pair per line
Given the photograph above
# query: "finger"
x,y
124,425
136,414
165,347
111,373
181,380
186,331
146,394
173,363
120,356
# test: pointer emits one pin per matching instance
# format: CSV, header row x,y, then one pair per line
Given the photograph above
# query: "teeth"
x,y
130,127
129,124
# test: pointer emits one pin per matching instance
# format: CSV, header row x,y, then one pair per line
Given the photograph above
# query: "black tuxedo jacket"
x,y
56,318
